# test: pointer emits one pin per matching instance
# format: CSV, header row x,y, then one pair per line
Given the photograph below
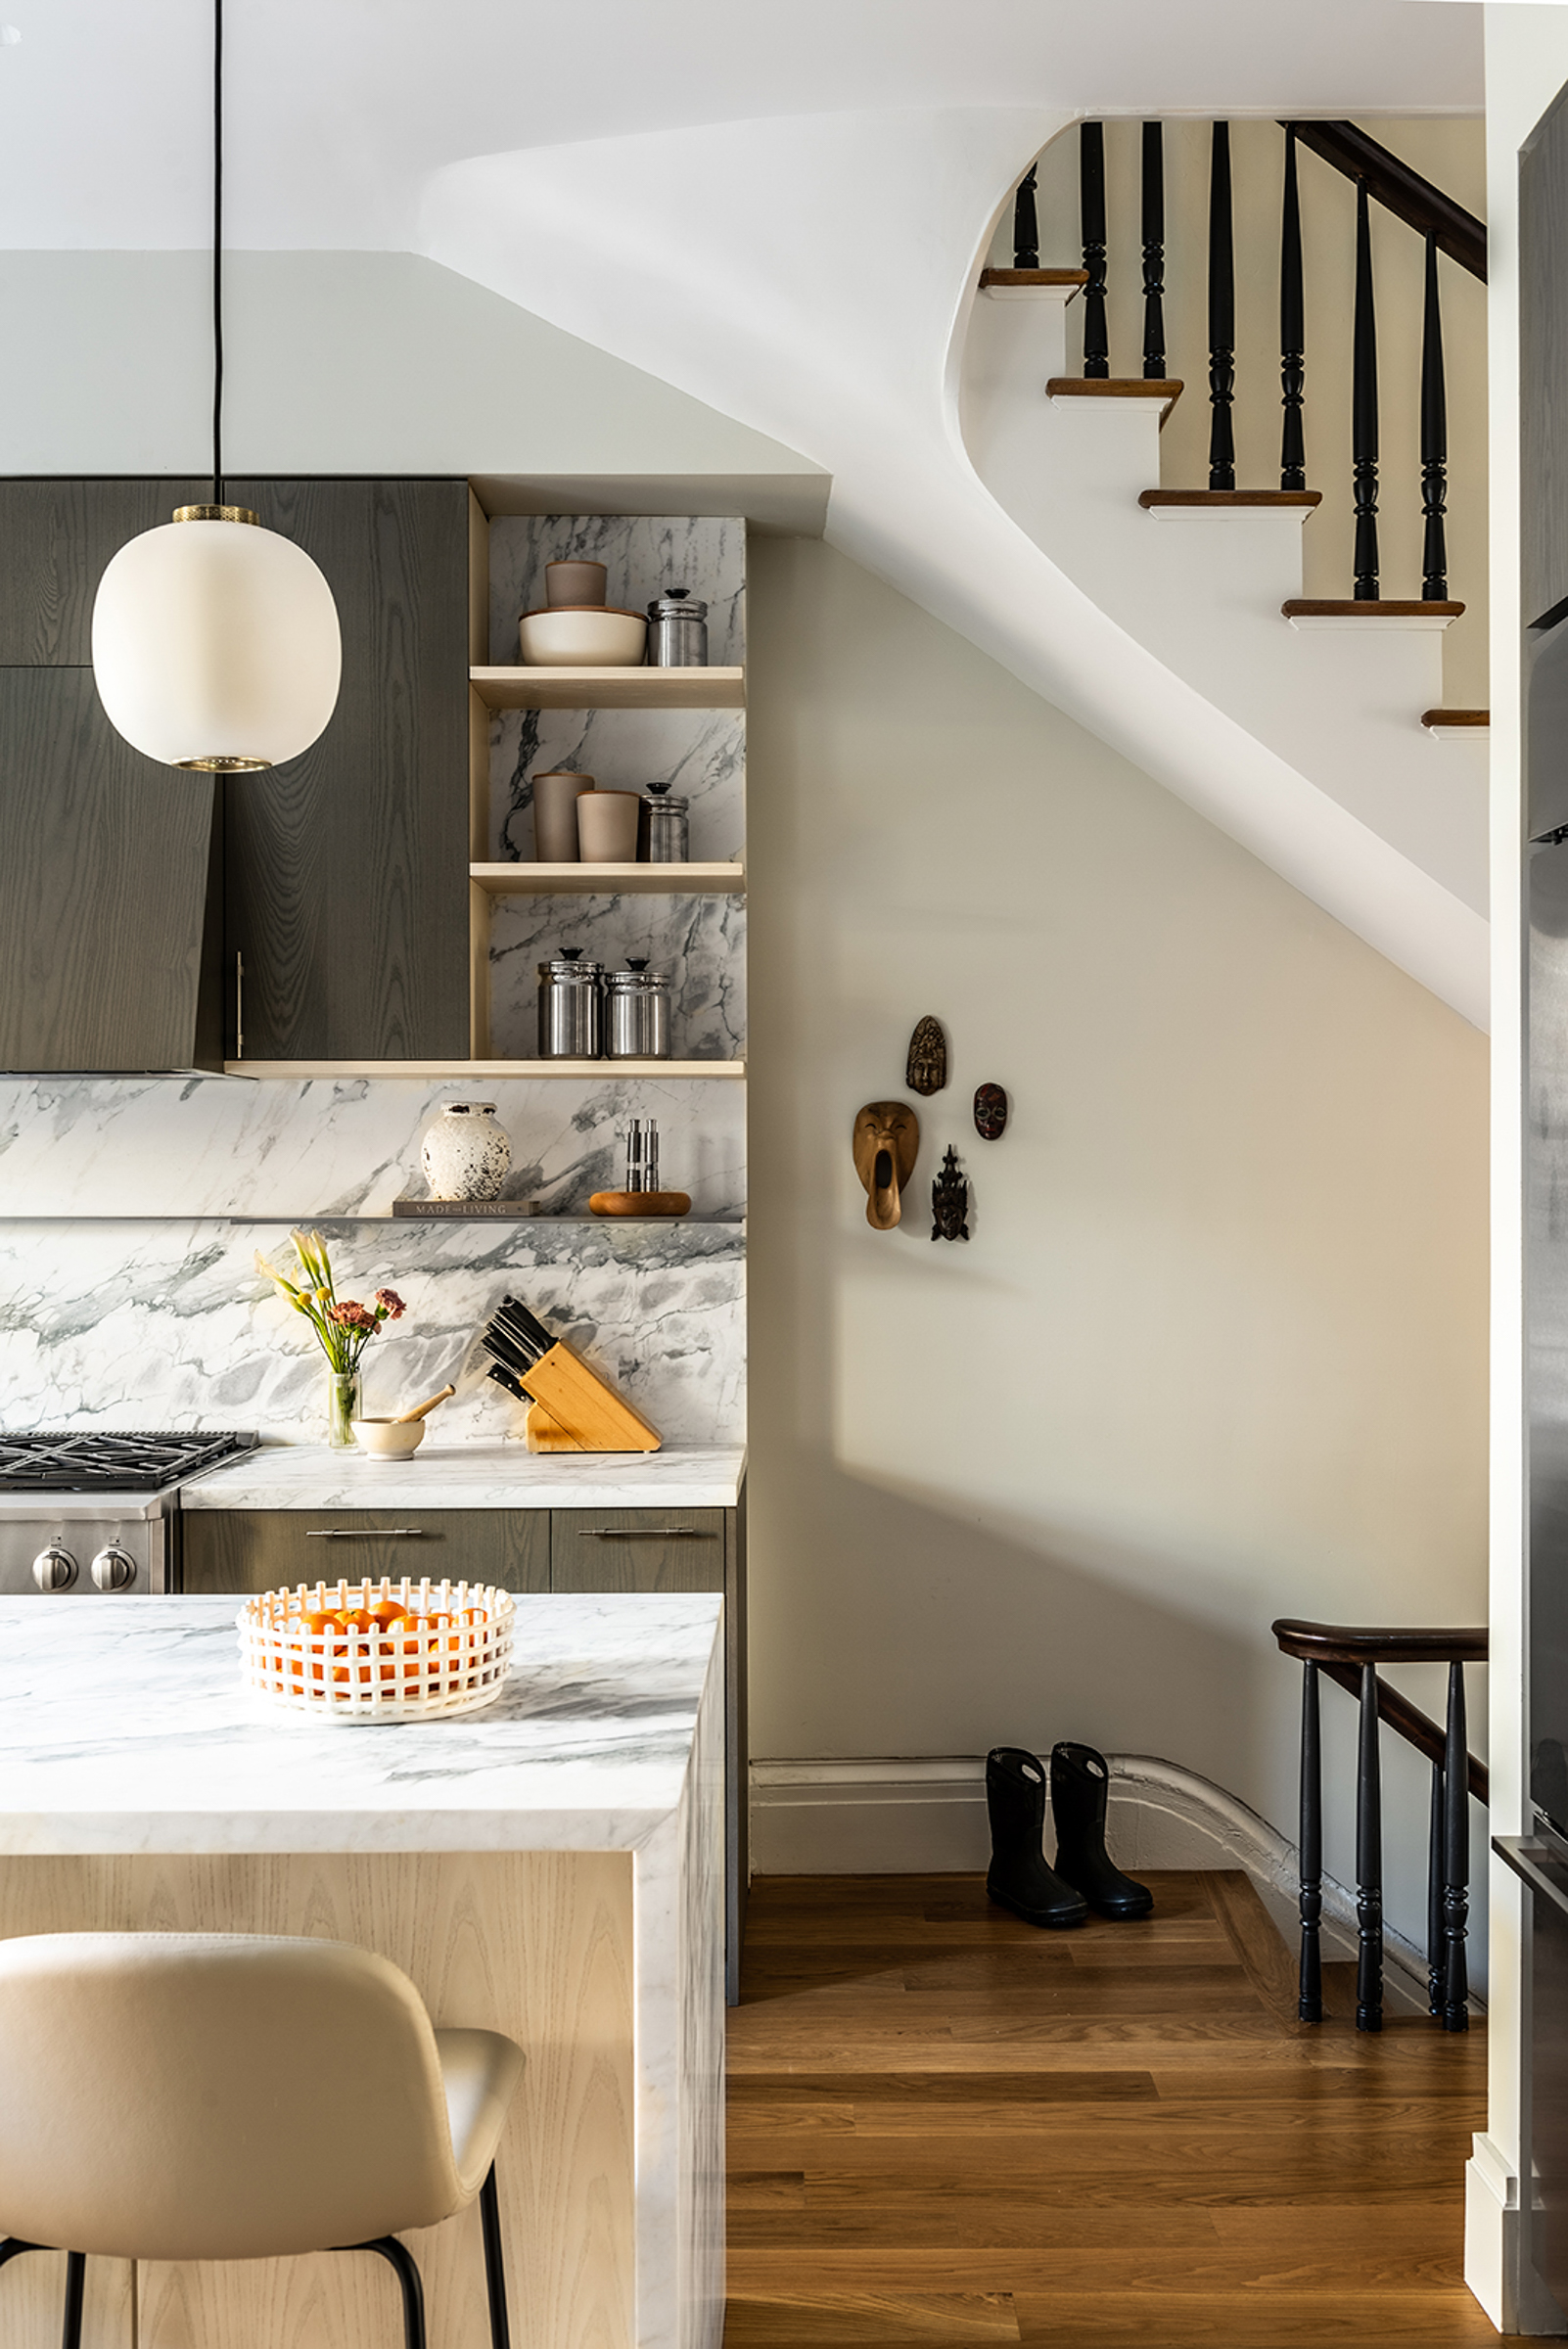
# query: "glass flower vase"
x,y
342,1408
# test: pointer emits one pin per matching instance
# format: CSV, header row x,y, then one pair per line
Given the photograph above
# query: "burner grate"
x,y
97,1459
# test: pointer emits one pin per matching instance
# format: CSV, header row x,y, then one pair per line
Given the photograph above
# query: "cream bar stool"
x,y
236,2095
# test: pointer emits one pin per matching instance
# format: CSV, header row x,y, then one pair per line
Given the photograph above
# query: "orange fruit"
x,y
387,1611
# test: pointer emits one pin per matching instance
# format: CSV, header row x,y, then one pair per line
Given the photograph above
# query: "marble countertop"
x,y
126,1728
474,1476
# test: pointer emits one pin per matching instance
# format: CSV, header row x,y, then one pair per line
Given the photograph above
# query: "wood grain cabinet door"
x,y
272,1549
58,538
1543,364
348,868
638,1549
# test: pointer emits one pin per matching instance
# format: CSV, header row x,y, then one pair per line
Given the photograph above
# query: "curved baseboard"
x,y
927,1815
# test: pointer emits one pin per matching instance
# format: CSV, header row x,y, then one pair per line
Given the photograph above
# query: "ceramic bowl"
x,y
582,636
387,1439
575,583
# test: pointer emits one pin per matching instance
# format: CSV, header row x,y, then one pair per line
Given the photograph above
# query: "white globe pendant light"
x,y
215,643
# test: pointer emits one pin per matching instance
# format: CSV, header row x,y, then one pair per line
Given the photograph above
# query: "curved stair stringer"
x,y
756,301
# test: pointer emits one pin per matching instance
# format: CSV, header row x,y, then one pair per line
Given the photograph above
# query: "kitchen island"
x,y
550,1868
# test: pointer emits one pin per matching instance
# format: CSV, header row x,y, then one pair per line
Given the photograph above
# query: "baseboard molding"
x,y
926,1814
1497,2262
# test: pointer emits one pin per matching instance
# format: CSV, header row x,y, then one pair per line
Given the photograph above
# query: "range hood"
x,y
111,892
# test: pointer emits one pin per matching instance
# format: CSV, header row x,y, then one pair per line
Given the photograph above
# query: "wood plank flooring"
x,y
947,2128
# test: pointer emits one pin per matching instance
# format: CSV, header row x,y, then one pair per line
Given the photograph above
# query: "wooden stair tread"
x,y
1116,386
1033,277
1455,718
1307,607
1203,499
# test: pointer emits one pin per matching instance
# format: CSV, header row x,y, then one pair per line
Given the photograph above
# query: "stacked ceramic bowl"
x,y
578,629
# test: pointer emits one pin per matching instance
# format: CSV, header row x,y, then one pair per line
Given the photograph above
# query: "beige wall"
x,y
1216,1349
1451,153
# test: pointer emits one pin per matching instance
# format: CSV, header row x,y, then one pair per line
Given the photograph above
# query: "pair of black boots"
x,y
1083,1876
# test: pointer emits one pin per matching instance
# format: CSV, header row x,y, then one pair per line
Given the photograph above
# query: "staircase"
x,y
1349,692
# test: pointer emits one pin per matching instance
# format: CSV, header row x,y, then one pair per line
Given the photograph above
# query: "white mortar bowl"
x,y
582,636
388,1438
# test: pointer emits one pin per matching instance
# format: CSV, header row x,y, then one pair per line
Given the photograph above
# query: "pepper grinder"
x,y
642,1155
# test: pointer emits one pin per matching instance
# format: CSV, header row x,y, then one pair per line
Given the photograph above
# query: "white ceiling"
x,y
340,109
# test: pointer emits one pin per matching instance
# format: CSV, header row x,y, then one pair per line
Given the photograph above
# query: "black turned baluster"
x,y
1434,1895
1310,2003
1222,315
1368,1864
1363,410
1154,252
1292,331
1026,224
1091,218
1434,442
1455,1859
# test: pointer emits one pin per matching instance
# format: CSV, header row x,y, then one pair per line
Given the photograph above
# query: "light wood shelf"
x,y
468,1071
609,880
519,688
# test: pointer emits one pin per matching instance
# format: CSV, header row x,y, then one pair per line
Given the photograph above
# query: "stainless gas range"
x,y
98,1512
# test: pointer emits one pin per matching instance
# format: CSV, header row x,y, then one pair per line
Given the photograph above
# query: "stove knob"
x,y
114,1568
54,1568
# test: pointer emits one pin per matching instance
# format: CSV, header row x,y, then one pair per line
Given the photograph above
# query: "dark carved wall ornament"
x,y
950,1201
991,1112
927,1070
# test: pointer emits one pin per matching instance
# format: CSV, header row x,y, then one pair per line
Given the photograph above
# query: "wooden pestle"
x,y
402,1419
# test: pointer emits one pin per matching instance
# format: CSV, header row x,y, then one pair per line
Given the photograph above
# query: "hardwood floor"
x,y
946,2126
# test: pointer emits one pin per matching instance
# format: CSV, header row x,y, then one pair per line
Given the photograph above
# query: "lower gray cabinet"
x,y
271,1550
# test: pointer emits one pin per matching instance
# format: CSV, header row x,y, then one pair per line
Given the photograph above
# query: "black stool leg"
x,y
75,2289
494,2268
399,2257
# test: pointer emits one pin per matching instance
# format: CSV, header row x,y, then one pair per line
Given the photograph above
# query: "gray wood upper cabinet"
x,y
58,538
347,870
104,888
1543,363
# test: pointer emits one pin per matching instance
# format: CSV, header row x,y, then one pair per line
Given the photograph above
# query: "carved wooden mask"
x,y
887,1143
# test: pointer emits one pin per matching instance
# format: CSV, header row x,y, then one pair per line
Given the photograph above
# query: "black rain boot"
x,y
1080,1785
1019,1879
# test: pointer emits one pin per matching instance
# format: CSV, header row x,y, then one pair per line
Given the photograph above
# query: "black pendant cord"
x,y
217,253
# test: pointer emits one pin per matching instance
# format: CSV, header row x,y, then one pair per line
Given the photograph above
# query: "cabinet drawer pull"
x,y
365,1533
652,1533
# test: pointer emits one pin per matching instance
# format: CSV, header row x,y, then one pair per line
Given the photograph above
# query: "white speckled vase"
x,y
465,1153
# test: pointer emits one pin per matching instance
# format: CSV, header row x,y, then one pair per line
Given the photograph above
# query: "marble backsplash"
x,y
167,1324
642,554
305,1148
700,942
701,754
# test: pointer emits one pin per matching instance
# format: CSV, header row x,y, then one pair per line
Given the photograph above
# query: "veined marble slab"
x,y
700,942
701,754
124,1325
313,1147
127,1728
474,1476
642,554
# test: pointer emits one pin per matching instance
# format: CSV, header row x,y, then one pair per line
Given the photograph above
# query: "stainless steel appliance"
x,y
678,630
637,1012
570,1007
99,1512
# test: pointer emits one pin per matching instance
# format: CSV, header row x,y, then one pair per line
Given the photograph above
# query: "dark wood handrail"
x,y
1402,192
1341,1650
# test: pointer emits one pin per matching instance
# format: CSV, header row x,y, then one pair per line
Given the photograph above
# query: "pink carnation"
x,y
350,1315
391,1304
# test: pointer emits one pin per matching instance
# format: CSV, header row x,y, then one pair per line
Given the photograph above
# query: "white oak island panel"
x,y
550,1868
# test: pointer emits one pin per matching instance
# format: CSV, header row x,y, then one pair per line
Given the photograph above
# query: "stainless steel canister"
x,y
570,1007
665,833
637,1013
678,630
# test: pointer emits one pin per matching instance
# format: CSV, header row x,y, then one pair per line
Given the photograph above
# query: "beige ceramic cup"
x,y
607,827
555,816
575,583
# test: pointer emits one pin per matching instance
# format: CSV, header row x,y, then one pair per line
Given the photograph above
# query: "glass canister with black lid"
x,y
570,1007
637,1012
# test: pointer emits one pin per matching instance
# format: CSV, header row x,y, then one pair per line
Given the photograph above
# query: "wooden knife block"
x,y
574,1410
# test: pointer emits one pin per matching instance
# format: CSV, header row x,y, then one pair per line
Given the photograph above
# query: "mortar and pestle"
x,y
399,1437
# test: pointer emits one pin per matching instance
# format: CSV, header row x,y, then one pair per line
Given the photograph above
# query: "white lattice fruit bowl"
x,y
449,1652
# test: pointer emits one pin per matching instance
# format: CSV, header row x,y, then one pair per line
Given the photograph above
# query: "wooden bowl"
x,y
640,1203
